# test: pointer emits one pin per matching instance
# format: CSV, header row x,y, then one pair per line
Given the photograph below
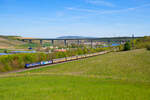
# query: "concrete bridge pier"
x,y
65,42
52,41
30,41
41,42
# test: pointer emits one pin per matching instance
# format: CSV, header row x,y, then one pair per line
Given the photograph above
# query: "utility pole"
x,y
132,40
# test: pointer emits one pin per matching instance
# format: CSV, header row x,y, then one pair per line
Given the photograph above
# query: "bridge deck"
x,y
109,38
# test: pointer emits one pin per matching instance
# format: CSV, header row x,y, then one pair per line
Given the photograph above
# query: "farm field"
x,y
113,76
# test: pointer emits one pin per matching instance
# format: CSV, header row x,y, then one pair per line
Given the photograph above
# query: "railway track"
x,y
58,61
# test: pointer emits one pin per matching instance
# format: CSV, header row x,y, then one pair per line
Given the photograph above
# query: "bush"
x,y
142,42
127,46
148,47
18,61
121,47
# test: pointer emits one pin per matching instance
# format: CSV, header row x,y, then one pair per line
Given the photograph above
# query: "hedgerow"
x,y
148,47
18,61
142,42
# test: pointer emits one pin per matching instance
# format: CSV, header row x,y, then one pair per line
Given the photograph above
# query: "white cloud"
x,y
108,11
82,10
101,11
100,2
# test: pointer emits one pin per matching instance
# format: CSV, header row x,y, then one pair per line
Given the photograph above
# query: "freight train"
x,y
60,60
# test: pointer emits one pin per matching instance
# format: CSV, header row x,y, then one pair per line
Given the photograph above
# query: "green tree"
x,y
127,46
5,51
148,47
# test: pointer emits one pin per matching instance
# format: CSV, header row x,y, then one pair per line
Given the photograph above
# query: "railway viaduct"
x,y
106,40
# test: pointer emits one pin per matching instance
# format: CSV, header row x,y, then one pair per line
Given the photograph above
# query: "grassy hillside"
x,y
9,42
113,76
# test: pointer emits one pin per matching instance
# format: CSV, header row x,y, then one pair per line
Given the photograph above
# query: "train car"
x,y
103,52
46,62
74,57
69,58
32,65
59,60
80,56
95,54
83,56
89,55
98,53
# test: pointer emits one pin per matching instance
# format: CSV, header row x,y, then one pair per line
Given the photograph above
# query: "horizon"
x,y
74,36
88,18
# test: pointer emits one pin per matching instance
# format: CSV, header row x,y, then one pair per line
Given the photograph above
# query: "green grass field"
x,y
113,76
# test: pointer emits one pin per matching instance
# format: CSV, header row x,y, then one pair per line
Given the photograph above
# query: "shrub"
x,y
148,47
142,42
127,46
18,61
79,51
121,47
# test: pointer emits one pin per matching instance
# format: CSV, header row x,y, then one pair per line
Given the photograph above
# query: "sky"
x,y
95,18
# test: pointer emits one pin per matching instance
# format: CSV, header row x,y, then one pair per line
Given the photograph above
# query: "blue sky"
x,y
53,18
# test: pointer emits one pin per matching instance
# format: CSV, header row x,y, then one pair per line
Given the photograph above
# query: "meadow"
x,y
113,76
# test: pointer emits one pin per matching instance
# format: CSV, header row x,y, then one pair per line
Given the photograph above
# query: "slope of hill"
x,y
113,76
9,42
